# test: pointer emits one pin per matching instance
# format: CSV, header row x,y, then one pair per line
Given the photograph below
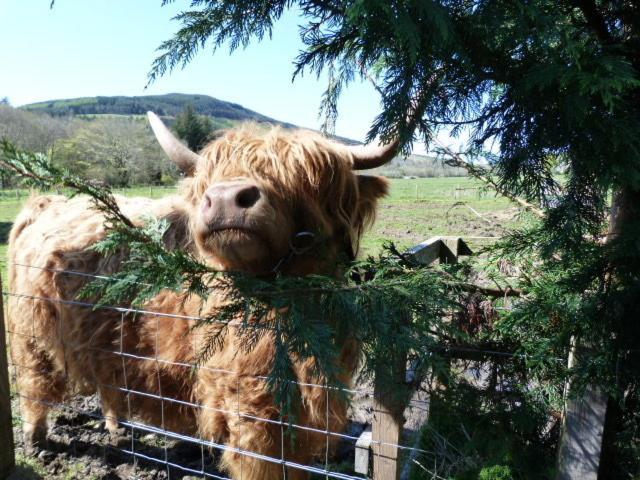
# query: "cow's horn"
x,y
184,158
372,156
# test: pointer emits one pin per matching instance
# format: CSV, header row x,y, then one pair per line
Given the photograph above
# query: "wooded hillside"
x,y
170,105
109,140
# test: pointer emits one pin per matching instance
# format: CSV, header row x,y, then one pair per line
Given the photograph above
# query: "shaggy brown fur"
x,y
63,349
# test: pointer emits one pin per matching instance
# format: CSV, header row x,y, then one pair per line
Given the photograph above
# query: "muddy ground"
x,y
78,447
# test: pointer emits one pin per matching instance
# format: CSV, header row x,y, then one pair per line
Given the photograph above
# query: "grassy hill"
x,y
223,114
168,105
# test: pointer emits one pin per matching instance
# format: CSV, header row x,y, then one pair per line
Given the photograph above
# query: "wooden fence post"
x,y
388,419
581,441
582,430
7,455
390,389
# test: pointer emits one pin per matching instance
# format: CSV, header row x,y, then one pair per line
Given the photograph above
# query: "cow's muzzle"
x,y
230,204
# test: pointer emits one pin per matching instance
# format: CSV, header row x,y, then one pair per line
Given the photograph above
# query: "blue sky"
x,y
105,47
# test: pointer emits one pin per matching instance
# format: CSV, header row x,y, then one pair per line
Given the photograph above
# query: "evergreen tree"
x,y
194,129
119,151
550,82
547,81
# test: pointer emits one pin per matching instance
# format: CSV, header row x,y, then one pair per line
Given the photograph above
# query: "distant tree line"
x,y
418,166
121,151
118,150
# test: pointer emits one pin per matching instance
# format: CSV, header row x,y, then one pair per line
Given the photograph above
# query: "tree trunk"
x,y
625,211
592,420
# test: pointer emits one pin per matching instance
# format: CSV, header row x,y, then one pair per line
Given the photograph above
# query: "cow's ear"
x,y
370,190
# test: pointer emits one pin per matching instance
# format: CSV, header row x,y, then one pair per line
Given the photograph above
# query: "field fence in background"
x,y
154,191
152,444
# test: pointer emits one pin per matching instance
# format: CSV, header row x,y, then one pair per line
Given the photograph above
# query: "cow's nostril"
x,y
247,197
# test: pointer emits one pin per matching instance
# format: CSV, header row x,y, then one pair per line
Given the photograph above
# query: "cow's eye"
x,y
303,241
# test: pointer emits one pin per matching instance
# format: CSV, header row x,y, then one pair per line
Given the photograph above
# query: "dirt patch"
x,y
79,447
411,223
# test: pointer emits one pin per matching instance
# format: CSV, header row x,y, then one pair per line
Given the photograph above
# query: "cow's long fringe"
x,y
304,165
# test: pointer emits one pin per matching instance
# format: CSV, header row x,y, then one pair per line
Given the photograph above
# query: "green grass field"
x,y
415,210
421,208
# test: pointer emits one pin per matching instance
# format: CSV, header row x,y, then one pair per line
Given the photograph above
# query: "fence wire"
x,y
137,451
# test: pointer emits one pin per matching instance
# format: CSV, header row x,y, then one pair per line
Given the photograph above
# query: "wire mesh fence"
x,y
164,425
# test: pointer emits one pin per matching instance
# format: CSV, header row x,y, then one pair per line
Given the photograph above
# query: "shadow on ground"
x,y
24,472
5,228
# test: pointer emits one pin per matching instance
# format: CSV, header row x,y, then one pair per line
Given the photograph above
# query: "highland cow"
x,y
244,197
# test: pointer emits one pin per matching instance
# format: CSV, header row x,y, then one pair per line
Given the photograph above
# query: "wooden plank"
x,y
426,252
432,250
363,449
390,397
390,390
581,441
457,245
386,434
582,431
443,250
7,455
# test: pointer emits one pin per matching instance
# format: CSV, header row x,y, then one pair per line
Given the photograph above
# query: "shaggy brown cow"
x,y
246,196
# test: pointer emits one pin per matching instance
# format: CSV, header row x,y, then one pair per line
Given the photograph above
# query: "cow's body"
x,y
141,365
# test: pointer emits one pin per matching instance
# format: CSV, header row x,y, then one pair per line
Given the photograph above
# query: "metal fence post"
x,y
7,455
